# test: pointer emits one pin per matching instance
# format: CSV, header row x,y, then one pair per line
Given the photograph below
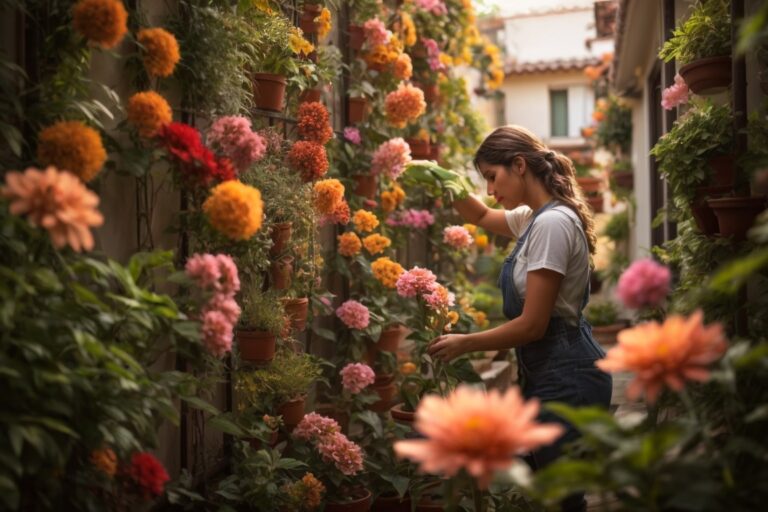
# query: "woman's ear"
x,y
519,166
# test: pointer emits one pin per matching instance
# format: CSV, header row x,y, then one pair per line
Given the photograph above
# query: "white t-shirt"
x,y
556,242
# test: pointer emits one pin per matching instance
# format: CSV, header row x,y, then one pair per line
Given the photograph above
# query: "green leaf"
x,y
222,424
289,464
199,403
732,276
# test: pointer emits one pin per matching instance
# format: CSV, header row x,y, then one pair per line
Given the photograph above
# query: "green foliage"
x,y
327,69
261,310
615,131
288,377
601,313
706,33
272,43
617,227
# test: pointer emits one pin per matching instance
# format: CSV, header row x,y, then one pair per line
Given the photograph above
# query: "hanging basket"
x,y
735,215
269,91
705,218
708,76
357,110
255,346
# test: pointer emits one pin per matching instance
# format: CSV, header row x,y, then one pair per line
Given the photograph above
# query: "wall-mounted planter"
x,y
707,76
255,346
357,110
281,235
420,148
356,37
307,19
735,215
366,185
269,91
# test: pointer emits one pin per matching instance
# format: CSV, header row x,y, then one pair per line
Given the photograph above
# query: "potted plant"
x,y
262,319
589,184
418,140
361,11
273,60
614,131
310,10
622,175
702,45
313,75
360,91
604,318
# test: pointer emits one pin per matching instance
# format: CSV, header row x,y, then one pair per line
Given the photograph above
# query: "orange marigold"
x,y
404,105
101,22
349,244
365,221
161,51
386,271
57,201
665,354
328,194
341,214
313,491
391,199
105,460
148,112
481,241
323,22
403,67
72,146
235,209
376,243
313,122
453,317
309,159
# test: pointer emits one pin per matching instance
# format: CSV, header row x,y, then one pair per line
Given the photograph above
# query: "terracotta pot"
x,y
331,411
357,110
431,93
255,346
366,185
386,394
702,213
310,95
735,215
360,504
398,414
606,334
269,91
596,202
390,338
589,184
624,179
297,310
419,148
392,503
707,76
722,170
292,412
356,37
280,272
307,18
434,152
281,235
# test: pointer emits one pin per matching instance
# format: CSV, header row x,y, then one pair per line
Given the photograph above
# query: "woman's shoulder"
x,y
560,214
518,218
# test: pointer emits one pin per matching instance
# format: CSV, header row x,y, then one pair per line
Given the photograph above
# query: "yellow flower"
x,y
471,229
453,317
481,241
408,28
235,209
263,6
148,112
161,51
72,146
480,318
323,23
365,221
101,22
298,44
328,195
391,199
446,59
386,271
408,368
349,244
376,243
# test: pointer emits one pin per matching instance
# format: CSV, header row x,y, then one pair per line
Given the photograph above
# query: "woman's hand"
x,y
448,347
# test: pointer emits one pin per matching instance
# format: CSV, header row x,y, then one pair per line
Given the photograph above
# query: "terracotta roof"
x,y
549,66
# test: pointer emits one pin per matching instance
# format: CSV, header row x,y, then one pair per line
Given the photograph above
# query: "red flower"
x,y
309,159
197,164
313,122
148,473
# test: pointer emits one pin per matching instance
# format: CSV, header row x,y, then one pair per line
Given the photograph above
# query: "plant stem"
x,y
477,496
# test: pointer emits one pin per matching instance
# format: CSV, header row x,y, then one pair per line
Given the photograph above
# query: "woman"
x,y
544,281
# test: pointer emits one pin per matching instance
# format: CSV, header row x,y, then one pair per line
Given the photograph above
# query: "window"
x,y
558,108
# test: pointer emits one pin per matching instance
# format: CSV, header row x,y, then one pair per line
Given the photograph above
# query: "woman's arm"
x,y
542,287
476,212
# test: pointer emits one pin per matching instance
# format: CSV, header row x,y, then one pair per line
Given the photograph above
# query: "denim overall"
x,y
560,367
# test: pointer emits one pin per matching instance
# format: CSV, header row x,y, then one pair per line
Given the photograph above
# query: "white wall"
x,y
548,37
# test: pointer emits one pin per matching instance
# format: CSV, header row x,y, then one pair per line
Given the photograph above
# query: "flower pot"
x,y
390,338
434,152
589,184
624,179
269,91
431,93
386,394
357,110
280,272
605,335
356,38
255,346
281,235
333,412
297,310
292,412
360,503
366,185
310,95
419,148
707,76
398,414
307,18
702,213
722,170
735,215
595,202
392,503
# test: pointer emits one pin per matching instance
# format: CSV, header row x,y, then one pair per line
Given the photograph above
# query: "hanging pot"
x,y
357,110
307,19
255,346
391,502
310,95
431,93
605,335
292,412
359,503
589,184
420,148
366,185
398,414
386,392
281,235
269,91
596,202
707,76
723,171
624,179
356,38
702,213
280,272
735,215
297,310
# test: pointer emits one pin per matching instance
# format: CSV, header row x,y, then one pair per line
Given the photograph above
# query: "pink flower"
x,y
416,281
436,7
457,237
217,333
376,32
214,272
391,157
353,314
356,376
439,298
476,431
343,453
433,54
232,135
352,135
314,427
674,95
226,305
644,284
418,219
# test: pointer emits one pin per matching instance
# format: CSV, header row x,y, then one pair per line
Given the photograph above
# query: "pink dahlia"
x,y
217,333
343,453
226,305
353,314
416,281
356,376
644,284
433,54
214,272
391,157
439,298
436,7
376,32
674,95
418,219
457,237
314,427
232,136
352,134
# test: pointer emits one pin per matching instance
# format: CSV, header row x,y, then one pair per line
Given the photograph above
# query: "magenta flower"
x,y
343,453
352,134
353,314
433,54
391,157
314,427
436,7
457,237
356,376
644,284
416,281
232,136
674,95
417,219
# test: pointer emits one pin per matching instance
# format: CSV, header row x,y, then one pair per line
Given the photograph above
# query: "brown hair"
x,y
553,169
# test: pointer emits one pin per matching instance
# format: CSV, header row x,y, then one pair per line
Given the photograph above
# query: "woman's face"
x,y
504,183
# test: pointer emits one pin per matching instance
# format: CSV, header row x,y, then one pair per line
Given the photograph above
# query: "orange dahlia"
x,y
313,122
365,221
105,460
323,22
376,243
403,67
57,201
481,241
391,199
161,51
72,146
404,105
235,209
328,194
476,431
386,271
340,214
349,244
101,22
309,159
148,112
665,354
